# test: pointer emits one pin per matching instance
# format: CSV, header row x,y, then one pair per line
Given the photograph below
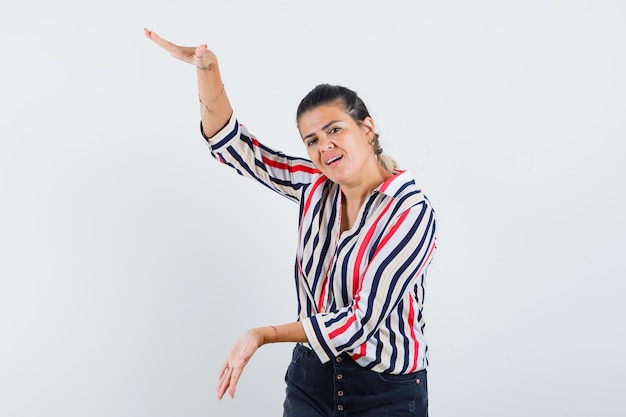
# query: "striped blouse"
x,y
360,291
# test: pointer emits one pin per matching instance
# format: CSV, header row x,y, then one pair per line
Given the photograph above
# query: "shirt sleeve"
x,y
399,260
235,147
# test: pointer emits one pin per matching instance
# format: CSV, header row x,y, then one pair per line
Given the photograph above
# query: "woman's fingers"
x,y
234,378
224,382
156,38
179,52
225,368
229,377
224,379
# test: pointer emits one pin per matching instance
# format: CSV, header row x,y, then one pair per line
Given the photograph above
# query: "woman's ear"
x,y
368,125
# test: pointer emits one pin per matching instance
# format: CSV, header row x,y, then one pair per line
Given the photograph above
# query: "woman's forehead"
x,y
319,116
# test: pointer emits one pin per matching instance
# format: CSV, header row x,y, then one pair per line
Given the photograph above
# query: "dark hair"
x,y
352,104
327,94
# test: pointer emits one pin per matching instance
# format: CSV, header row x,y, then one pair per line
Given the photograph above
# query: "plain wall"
x,y
130,261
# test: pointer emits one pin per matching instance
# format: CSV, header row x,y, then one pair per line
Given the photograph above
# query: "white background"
x,y
130,261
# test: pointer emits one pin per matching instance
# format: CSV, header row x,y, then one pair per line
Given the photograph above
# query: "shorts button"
x,y
339,376
340,393
340,407
339,359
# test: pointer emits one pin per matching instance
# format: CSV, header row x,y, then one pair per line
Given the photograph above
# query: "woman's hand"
x,y
214,104
199,56
238,358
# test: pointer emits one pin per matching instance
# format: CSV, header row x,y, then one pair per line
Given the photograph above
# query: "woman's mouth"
x,y
334,159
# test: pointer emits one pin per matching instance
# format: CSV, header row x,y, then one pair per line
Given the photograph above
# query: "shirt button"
x,y
339,376
340,407
340,393
339,359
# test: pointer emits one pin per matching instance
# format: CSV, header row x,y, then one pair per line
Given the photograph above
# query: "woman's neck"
x,y
353,197
355,194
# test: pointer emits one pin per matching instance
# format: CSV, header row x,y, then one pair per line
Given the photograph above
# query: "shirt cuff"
x,y
318,339
223,132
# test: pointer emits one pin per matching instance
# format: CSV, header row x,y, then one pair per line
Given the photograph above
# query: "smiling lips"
x,y
333,159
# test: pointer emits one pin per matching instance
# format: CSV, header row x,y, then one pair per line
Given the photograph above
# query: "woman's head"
x,y
329,94
351,104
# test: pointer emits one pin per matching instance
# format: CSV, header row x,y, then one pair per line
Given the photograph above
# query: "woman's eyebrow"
x,y
326,126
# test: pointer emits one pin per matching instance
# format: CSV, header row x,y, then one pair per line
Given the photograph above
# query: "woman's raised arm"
x,y
215,109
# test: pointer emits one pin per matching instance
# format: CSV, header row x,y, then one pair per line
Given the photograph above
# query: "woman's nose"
x,y
325,143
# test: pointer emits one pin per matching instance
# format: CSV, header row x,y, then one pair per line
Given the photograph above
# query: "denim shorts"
x,y
343,388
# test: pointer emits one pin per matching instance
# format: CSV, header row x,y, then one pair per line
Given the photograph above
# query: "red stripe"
x,y
356,272
410,319
386,184
289,168
343,328
305,210
283,166
307,205
320,305
362,352
392,231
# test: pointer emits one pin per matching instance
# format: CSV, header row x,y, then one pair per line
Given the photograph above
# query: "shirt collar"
x,y
396,183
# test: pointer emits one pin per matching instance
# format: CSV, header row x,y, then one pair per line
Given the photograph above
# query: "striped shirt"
x,y
360,291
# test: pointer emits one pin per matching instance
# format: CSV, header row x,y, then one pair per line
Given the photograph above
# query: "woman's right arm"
x,y
230,142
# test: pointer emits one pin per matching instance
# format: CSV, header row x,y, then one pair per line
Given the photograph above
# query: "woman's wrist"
x,y
269,334
215,109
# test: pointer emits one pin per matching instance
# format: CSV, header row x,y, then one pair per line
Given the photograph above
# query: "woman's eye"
x,y
334,130
311,142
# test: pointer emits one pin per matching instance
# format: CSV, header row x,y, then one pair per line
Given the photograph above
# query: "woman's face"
x,y
337,144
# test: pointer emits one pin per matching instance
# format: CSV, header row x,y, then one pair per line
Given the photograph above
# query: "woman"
x,y
366,236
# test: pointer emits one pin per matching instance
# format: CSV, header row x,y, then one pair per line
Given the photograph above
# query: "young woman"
x,y
366,236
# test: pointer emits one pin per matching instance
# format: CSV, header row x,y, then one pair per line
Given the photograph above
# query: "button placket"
x,y
340,375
